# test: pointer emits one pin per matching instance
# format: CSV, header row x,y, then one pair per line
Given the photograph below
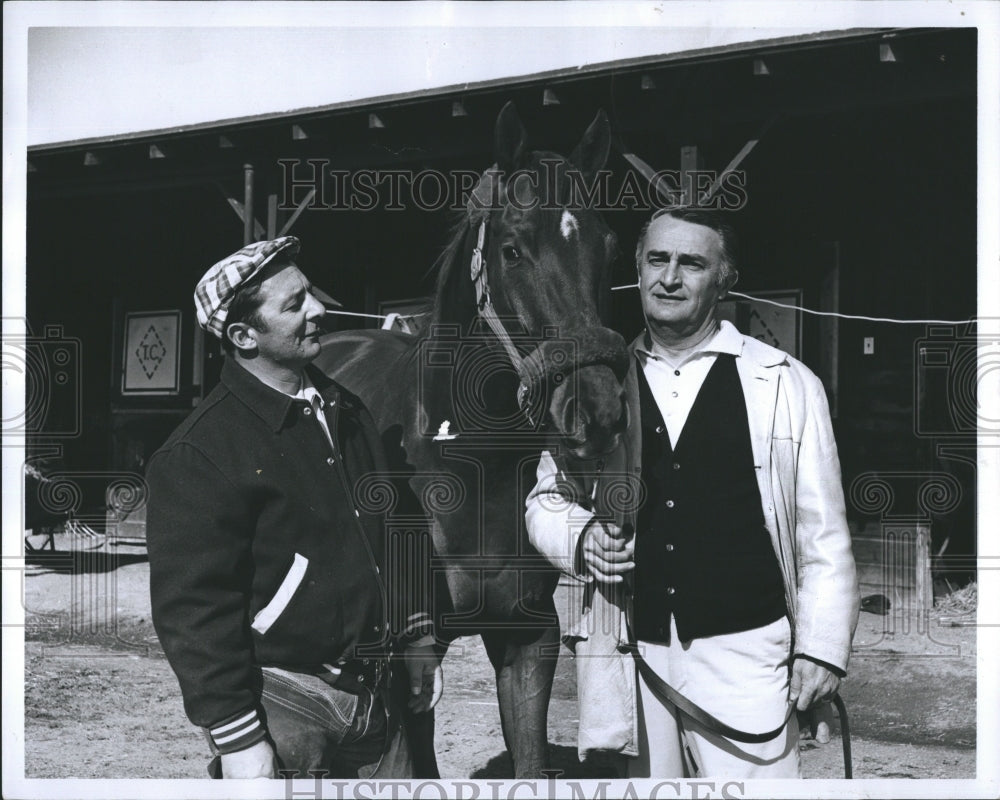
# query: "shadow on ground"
x,y
563,763
79,562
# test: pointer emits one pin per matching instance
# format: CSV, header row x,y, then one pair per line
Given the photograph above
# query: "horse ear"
x,y
509,138
591,154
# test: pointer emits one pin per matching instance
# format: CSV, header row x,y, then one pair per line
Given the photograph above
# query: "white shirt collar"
x,y
307,392
726,340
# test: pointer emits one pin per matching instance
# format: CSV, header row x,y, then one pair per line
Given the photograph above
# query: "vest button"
x,y
331,461
669,548
670,503
307,410
659,429
676,465
671,590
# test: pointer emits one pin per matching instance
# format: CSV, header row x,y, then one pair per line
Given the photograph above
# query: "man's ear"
x,y
729,283
243,337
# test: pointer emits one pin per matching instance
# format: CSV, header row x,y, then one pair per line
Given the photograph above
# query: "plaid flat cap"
x,y
217,287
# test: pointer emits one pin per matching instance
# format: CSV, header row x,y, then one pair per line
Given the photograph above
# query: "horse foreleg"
x,y
525,665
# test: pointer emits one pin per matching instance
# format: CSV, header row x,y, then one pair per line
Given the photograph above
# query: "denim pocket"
x,y
310,699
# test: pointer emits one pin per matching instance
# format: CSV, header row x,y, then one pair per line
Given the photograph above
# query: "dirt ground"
x,y
102,702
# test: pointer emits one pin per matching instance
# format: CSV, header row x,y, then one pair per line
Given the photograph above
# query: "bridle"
x,y
488,314
532,368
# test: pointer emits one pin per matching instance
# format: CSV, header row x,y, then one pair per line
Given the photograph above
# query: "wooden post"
x,y
247,203
690,163
924,587
272,215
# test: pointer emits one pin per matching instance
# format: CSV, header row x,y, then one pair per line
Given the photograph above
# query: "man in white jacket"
x,y
715,536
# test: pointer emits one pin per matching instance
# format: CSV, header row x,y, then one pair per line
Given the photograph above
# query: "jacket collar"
x,y
269,404
728,340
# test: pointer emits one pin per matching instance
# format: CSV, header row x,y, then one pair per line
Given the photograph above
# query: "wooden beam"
x,y
760,67
155,151
239,210
375,121
225,143
298,210
647,83
299,133
458,109
549,98
649,174
886,53
91,159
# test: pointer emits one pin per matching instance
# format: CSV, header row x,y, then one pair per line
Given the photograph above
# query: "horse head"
x,y
537,252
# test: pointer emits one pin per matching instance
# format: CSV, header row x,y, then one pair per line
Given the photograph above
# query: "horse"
x,y
514,354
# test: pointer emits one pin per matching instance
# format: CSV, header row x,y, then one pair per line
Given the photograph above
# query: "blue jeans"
x,y
319,728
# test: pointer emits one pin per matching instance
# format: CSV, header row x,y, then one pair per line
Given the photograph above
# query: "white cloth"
x,y
739,678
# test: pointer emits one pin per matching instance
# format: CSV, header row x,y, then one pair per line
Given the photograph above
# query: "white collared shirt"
x,y
675,386
311,395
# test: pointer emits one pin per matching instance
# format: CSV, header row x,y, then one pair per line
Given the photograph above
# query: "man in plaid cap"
x,y
266,571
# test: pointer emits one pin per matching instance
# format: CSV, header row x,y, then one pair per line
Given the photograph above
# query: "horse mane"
x,y
454,300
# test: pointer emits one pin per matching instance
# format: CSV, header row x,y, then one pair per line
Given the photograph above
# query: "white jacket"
x,y
803,503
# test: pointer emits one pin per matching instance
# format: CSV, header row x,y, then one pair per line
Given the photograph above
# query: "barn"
x,y
851,158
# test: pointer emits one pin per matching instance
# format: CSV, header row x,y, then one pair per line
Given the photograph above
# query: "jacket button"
x,y
670,503
671,590
361,678
677,372
331,461
674,394
669,548
307,410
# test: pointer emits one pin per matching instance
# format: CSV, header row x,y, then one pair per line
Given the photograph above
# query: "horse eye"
x,y
510,253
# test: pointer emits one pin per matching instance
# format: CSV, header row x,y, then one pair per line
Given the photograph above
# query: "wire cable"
x,y
753,299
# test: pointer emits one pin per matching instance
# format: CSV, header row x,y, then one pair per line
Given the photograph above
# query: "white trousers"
x,y
739,678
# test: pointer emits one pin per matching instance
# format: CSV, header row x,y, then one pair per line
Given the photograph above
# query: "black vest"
x,y
702,552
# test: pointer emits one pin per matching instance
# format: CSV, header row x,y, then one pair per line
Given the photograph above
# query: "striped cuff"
x,y
238,732
417,625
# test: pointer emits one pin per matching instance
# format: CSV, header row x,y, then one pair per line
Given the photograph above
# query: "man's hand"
x,y
426,677
811,684
607,552
257,761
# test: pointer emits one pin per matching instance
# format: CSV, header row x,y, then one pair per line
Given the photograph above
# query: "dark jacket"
x,y
262,547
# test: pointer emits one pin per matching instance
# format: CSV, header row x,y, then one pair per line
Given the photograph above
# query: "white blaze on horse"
x,y
514,355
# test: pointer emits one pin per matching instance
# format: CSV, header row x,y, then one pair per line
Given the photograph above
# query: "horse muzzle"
x,y
574,383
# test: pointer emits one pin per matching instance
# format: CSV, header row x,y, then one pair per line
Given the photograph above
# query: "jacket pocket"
x,y
269,614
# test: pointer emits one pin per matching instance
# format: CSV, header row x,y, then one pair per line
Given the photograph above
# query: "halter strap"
x,y
484,306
